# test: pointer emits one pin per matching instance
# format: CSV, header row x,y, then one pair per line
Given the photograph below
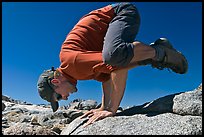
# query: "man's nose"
x,y
64,97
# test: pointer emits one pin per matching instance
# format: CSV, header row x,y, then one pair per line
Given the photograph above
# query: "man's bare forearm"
x,y
106,98
116,86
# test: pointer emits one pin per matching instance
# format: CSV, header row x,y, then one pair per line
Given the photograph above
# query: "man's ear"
x,y
55,81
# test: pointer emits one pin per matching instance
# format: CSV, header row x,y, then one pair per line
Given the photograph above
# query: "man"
x,y
101,46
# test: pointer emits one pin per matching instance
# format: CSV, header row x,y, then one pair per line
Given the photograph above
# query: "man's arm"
x,y
107,87
118,83
113,91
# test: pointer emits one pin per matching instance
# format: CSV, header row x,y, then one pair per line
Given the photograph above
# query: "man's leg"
x,y
121,33
141,52
120,49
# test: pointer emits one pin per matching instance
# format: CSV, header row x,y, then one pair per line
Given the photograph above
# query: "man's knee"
x,y
120,57
107,58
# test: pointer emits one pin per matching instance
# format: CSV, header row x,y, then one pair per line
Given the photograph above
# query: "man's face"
x,y
65,88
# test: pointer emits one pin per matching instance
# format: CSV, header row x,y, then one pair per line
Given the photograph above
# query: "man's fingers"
x,y
94,118
90,115
90,121
96,115
82,116
86,124
86,114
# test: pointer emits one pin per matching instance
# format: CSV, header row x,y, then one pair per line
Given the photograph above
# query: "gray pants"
x,y
118,47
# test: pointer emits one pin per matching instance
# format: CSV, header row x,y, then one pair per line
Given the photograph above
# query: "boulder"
x,y
176,114
139,124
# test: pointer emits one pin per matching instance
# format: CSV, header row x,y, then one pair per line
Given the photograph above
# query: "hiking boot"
x,y
168,57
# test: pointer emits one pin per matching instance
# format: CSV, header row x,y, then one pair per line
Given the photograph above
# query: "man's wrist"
x,y
110,109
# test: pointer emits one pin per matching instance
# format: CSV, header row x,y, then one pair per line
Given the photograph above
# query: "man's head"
x,y
53,86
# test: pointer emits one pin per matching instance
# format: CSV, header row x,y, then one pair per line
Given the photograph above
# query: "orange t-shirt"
x,y
81,52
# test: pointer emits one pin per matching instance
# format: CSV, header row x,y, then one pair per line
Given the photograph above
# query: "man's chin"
x,y
66,98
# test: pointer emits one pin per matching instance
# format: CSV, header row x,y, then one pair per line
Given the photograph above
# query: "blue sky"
x,y
33,32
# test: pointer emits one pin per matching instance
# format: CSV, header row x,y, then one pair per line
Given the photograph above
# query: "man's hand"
x,y
95,115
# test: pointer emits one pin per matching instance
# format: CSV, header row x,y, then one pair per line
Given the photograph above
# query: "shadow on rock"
x,y
158,106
